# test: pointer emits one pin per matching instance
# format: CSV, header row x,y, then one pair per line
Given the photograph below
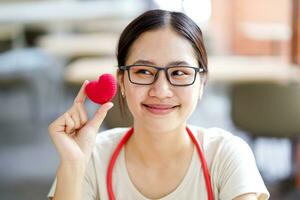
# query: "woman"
x,y
162,71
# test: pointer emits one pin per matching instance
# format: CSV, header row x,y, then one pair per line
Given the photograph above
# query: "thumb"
x,y
99,116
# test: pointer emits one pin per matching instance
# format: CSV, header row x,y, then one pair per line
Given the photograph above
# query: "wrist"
x,y
72,168
69,181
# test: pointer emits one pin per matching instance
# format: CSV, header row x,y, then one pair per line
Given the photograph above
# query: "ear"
x,y
201,89
120,78
201,92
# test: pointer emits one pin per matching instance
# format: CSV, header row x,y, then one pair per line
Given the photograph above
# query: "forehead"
x,y
161,47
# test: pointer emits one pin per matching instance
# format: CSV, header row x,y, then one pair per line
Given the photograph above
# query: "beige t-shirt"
x,y
230,161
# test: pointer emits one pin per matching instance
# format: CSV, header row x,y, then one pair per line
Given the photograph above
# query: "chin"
x,y
160,121
162,125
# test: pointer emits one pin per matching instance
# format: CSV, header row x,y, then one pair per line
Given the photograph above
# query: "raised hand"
x,y
73,133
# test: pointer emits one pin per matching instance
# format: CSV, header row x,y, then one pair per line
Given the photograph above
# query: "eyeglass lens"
x,y
177,75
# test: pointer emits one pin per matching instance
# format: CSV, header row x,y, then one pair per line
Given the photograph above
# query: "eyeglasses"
x,y
148,74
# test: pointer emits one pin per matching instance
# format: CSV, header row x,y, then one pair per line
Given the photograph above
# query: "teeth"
x,y
159,108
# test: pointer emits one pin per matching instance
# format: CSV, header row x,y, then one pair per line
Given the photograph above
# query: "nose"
x,y
161,88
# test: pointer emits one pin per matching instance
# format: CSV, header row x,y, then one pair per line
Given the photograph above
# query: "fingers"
x,y
79,115
70,124
80,98
76,118
99,116
82,114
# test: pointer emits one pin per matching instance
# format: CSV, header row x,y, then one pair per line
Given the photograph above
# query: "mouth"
x,y
160,109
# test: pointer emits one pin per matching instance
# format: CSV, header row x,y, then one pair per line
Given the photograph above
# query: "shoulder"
x,y
106,142
109,138
215,136
231,163
110,135
218,142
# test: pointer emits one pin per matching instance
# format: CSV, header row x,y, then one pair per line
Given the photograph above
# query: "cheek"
x,y
193,91
133,92
189,97
134,96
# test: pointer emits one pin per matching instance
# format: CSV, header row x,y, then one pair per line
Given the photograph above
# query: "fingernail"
x,y
110,105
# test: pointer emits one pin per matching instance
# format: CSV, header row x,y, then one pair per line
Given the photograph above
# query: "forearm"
x,y
69,182
248,196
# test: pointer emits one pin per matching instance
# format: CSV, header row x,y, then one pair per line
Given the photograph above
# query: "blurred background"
x,y
49,47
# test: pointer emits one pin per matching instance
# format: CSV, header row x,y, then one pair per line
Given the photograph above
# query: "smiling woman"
x,y
162,72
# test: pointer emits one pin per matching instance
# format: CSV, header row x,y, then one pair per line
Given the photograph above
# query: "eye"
x,y
181,72
143,71
178,73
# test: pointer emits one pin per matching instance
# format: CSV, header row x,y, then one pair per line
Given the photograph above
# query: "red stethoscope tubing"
x,y
123,142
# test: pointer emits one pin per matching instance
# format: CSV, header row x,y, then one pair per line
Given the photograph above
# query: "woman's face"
x,y
161,106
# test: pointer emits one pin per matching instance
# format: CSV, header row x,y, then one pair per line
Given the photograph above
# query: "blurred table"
x,y
78,45
57,11
221,69
235,69
274,33
89,69
57,14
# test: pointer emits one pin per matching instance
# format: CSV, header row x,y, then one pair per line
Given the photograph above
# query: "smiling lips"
x,y
160,109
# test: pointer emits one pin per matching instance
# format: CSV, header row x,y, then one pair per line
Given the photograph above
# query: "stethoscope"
x,y
123,142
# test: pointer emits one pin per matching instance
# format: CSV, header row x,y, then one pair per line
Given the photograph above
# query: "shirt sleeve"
x,y
237,171
89,190
52,190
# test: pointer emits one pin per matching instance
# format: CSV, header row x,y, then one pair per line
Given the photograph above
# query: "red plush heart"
x,y
102,90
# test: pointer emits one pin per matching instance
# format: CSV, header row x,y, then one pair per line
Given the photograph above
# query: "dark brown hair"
x,y
155,19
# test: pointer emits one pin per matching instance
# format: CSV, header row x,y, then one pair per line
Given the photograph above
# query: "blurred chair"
x,y
268,110
6,37
36,76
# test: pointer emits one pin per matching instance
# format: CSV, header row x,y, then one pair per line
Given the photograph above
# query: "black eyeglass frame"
x,y
165,69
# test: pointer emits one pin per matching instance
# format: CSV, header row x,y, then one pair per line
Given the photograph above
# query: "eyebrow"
x,y
147,62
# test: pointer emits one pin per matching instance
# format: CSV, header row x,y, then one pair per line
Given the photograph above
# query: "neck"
x,y
154,147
